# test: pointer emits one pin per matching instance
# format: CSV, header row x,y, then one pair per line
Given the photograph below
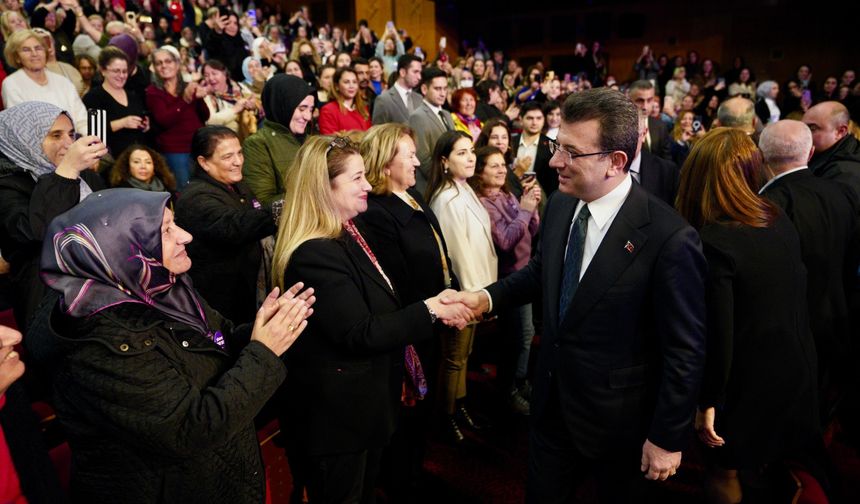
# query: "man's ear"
x,y
618,162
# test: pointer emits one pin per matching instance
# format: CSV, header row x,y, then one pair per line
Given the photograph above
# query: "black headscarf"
x,y
107,250
282,94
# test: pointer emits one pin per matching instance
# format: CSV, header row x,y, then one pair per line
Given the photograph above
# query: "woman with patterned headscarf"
x,y
44,171
156,391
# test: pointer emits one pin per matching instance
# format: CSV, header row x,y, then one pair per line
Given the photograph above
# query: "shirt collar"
x,y
605,207
783,174
434,108
637,162
523,140
400,89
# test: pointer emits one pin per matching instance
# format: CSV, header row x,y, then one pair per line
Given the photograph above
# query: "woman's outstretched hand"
x,y
453,314
281,319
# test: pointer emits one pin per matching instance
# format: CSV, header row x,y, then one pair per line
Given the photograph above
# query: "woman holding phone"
x,y
126,110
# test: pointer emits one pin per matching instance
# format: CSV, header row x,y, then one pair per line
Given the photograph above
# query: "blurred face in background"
x,y
141,166
500,139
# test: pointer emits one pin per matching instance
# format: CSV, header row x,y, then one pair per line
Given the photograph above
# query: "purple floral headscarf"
x,y
107,250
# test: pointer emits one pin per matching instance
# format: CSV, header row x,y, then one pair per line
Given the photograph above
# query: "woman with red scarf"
x,y
463,102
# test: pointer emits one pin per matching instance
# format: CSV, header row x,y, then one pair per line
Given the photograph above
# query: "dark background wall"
x,y
773,36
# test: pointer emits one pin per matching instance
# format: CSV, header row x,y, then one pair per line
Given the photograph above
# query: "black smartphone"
x,y
97,124
528,177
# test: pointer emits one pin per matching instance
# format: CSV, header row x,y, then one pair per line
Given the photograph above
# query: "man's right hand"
x,y
478,302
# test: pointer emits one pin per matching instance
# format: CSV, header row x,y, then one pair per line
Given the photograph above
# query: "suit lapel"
x,y
433,118
613,256
395,96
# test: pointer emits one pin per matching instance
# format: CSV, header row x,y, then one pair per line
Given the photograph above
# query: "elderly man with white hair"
x,y
825,215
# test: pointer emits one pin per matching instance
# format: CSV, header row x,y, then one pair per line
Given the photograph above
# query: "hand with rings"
x,y
281,319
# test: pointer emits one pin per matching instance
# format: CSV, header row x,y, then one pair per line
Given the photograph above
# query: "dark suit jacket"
x,y
346,370
402,239
547,177
660,139
628,356
659,177
825,217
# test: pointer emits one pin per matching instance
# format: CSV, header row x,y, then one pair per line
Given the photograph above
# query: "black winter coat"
x,y
27,206
841,163
225,252
154,411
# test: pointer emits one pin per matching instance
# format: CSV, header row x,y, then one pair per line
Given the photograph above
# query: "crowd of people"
x,y
303,220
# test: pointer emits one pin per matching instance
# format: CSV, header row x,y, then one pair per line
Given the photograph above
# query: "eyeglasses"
x,y
340,143
554,147
34,49
116,71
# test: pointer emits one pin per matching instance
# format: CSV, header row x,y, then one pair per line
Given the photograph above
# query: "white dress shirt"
x,y
603,211
783,174
404,94
528,149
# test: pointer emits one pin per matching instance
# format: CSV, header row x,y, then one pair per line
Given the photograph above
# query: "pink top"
x,y
512,230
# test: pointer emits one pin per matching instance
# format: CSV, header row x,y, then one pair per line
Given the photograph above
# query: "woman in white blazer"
x,y
466,228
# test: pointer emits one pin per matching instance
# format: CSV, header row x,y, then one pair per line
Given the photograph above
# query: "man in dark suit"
x,y
396,103
655,174
429,121
531,147
825,215
622,351
657,140
837,152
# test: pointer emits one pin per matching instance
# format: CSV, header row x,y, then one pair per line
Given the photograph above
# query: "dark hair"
x,y
430,73
358,101
484,88
640,85
549,106
438,178
358,60
616,115
482,155
216,65
378,60
120,172
404,61
206,140
529,106
484,138
111,53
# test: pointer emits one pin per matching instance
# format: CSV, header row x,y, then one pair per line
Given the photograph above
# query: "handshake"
x,y
457,309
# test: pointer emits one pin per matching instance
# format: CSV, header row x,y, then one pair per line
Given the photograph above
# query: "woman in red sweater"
x,y
347,111
178,110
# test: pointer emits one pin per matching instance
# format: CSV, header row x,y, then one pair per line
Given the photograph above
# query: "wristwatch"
x,y
433,315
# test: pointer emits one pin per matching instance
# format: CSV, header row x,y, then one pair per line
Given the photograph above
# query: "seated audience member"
x,y
678,87
761,361
87,67
151,385
348,111
230,104
463,103
657,141
229,223
376,75
684,136
177,109
324,93
514,225
467,230
125,109
429,121
397,102
552,113
141,167
837,154
27,51
765,106
45,172
531,148
744,86
26,472
288,104
825,216
67,70
408,241
349,375
653,173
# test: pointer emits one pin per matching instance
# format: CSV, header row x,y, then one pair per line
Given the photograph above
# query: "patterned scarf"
x,y
107,250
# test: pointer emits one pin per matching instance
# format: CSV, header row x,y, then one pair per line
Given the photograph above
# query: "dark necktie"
x,y
573,261
442,114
